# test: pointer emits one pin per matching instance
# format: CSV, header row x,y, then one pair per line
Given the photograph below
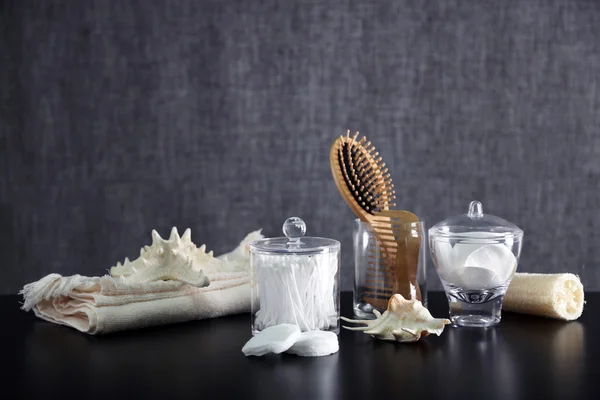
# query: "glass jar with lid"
x,y
476,256
295,280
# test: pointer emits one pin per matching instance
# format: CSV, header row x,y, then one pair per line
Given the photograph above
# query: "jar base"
x,y
475,308
255,331
474,321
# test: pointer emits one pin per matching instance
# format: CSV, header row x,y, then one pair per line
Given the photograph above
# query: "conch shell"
x,y
404,321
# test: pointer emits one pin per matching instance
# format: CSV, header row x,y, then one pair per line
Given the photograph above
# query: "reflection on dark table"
x,y
523,357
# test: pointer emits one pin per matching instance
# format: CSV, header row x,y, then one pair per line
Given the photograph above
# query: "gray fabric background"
x,y
123,116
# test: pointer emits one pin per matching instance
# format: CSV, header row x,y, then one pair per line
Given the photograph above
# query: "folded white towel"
x,y
97,305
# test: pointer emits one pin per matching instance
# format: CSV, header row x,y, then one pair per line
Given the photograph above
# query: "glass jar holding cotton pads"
x,y
295,280
476,256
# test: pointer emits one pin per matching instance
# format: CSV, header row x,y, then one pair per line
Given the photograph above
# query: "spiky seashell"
x,y
403,321
176,259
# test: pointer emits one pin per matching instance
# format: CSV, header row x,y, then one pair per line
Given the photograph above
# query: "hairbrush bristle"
x,y
360,174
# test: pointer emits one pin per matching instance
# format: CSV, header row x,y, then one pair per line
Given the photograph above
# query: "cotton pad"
x,y
315,344
476,278
497,258
275,339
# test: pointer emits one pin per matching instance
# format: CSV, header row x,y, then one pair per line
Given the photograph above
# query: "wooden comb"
x,y
399,234
393,259
366,186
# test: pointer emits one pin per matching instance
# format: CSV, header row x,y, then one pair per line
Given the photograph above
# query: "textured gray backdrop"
x,y
123,116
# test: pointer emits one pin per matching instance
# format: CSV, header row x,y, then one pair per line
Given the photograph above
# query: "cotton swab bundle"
x,y
299,290
549,295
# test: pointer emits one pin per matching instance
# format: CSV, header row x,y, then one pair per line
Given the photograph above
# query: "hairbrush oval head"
x,y
361,176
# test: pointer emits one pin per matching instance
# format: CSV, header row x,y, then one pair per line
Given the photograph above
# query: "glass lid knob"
x,y
294,228
475,210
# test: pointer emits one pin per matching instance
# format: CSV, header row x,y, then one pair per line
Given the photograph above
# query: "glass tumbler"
x,y
383,267
476,256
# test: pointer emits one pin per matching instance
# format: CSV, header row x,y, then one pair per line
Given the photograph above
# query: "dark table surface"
x,y
523,357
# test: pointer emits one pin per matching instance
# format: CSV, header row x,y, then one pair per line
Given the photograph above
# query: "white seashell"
x,y
275,339
155,237
178,259
403,321
174,235
315,344
171,259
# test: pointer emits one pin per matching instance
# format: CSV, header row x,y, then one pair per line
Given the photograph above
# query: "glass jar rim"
x,y
468,237
306,245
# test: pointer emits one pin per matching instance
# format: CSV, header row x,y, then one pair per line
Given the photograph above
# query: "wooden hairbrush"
x,y
360,176
366,186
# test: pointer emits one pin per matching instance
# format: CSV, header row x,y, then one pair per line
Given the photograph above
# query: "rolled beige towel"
x,y
557,296
151,290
